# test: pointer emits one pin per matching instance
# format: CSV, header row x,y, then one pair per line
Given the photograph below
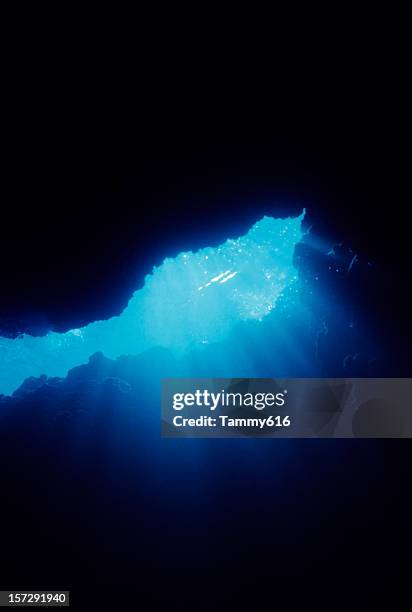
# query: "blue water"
x,y
189,302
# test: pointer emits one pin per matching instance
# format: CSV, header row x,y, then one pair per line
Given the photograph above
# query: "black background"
x,y
94,194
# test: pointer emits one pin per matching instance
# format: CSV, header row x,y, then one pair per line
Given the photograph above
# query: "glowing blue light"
x,y
187,302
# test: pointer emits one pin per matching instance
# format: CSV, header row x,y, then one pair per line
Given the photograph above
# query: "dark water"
x,y
92,494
